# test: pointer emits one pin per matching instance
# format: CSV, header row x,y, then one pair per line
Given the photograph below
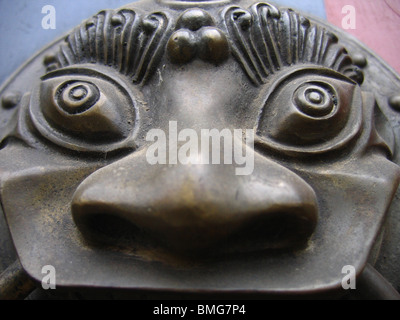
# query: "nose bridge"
x,y
190,207
195,105
197,96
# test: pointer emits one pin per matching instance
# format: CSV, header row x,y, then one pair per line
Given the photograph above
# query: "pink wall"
x,y
377,25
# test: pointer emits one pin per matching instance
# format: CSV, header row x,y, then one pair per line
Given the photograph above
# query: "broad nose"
x,y
195,208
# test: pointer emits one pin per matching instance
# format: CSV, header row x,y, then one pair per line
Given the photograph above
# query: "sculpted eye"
x,y
310,112
315,100
76,97
83,110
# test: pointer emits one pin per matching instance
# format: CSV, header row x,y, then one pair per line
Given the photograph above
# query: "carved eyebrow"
x,y
265,39
120,39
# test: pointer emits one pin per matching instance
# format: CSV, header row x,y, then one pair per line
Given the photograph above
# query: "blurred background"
x,y
376,23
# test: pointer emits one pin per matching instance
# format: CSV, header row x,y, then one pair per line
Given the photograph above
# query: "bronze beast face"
x,y
80,193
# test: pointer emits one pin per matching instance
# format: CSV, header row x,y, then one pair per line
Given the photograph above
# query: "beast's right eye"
x,y
309,112
83,111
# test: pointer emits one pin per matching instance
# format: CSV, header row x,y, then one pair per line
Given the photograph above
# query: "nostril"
x,y
274,230
104,228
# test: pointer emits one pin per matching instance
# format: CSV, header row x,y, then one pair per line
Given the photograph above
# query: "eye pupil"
x,y
77,97
315,97
78,93
314,100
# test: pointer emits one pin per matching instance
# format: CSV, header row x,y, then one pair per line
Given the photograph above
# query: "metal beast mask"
x,y
80,194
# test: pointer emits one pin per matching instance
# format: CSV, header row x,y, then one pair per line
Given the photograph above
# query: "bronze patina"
x,y
79,194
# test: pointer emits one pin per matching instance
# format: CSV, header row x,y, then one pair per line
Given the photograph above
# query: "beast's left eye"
x,y
310,112
83,110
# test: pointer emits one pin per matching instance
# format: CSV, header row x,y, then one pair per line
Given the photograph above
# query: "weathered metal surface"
x,y
79,193
14,283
